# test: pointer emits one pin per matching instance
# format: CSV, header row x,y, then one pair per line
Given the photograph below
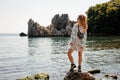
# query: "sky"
x,y
14,14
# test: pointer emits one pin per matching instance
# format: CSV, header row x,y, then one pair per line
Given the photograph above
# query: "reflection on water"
x,y
36,45
104,53
59,45
33,55
101,43
51,53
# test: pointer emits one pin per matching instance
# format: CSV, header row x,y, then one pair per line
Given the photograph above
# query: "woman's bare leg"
x,y
70,51
80,59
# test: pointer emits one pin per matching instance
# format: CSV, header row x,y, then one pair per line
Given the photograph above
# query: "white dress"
x,y
77,43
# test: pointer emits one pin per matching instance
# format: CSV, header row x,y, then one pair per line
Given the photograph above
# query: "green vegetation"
x,y
104,19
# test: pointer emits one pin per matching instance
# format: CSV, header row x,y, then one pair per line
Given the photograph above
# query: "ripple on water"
x,y
49,55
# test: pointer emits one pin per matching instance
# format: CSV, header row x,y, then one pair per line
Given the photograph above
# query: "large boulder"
x,y
78,76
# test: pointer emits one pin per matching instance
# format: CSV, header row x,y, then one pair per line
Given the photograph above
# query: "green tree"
x,y
104,19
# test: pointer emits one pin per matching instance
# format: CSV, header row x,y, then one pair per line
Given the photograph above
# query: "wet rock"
x,y
78,76
111,75
27,78
94,71
38,76
41,76
23,34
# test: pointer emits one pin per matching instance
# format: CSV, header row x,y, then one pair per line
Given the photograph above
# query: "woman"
x,y
77,43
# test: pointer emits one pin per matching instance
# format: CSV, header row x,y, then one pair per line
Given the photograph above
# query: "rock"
x,y
38,76
68,31
54,31
27,78
78,76
22,34
56,22
60,26
111,75
60,22
33,28
94,71
42,76
64,21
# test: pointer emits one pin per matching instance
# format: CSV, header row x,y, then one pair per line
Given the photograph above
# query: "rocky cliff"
x,y
60,26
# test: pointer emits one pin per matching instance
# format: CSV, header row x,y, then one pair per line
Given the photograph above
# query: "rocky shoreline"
x,y
61,26
74,75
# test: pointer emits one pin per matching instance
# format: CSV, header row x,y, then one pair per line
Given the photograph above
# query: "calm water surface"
x,y
22,56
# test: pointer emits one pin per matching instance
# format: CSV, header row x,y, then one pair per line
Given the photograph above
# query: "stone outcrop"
x,y
60,22
78,76
60,26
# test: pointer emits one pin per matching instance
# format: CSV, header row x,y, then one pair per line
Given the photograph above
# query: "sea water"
x,y
23,56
